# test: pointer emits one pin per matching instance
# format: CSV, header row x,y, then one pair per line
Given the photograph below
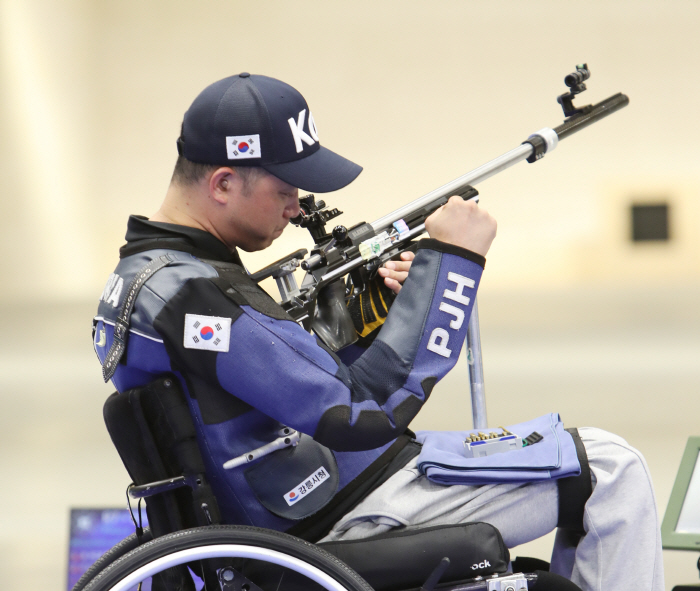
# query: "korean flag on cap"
x,y
243,146
211,333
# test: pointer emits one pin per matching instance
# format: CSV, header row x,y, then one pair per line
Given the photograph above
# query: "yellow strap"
x,y
372,326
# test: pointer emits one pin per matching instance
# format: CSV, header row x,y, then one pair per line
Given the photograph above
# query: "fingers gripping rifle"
x,y
320,302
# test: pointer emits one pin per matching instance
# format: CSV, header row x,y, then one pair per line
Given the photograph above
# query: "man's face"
x,y
258,217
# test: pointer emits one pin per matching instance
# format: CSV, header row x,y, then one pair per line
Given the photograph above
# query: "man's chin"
x,y
255,247
275,235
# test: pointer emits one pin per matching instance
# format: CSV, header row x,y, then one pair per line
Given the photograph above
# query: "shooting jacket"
x,y
248,370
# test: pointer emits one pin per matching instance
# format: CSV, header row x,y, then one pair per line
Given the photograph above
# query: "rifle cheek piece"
x,y
543,141
332,322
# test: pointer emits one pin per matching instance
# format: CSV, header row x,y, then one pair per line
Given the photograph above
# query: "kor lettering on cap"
x,y
298,132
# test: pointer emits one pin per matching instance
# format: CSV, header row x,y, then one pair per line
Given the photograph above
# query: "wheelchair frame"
x,y
154,434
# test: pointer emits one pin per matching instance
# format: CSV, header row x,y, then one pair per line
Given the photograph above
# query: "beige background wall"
x,y
93,94
575,318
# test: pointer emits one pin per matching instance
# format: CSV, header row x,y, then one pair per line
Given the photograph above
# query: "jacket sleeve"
x,y
275,366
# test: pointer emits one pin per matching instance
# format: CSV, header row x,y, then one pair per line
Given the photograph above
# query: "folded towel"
x,y
443,462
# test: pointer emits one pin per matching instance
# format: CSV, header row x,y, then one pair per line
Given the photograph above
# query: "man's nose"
x,y
292,210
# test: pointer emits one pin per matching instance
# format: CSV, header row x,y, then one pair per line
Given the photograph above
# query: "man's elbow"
x,y
371,430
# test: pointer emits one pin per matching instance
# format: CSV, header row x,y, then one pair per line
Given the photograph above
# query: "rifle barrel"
x,y
522,152
602,109
473,177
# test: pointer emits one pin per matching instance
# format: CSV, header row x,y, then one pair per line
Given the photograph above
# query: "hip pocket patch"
x,y
297,481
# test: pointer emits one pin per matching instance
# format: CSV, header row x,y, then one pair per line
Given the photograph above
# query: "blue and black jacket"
x,y
269,373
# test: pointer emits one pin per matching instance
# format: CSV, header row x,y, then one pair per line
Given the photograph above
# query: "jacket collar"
x,y
143,234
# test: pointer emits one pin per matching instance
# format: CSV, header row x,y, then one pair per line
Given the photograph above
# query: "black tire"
x,y
124,547
306,558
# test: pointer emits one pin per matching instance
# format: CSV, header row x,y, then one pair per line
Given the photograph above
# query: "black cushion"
x,y
404,558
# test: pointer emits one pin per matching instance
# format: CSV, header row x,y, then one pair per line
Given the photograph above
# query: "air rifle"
x,y
320,303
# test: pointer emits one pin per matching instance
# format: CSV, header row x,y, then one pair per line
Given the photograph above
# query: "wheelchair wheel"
x,y
122,548
241,558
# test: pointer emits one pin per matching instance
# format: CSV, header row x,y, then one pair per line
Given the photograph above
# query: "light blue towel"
x,y
443,462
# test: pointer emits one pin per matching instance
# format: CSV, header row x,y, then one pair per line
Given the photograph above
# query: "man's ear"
x,y
221,183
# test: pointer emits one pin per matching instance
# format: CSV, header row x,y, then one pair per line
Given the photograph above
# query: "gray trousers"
x,y
622,545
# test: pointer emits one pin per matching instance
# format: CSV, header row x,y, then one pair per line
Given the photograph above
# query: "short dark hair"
x,y
188,173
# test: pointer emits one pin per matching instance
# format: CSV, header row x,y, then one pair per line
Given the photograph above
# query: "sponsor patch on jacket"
x,y
307,486
211,333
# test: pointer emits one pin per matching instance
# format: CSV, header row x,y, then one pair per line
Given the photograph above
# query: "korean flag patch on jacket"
x,y
211,333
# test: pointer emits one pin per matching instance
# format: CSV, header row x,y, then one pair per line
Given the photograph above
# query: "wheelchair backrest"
x,y
152,429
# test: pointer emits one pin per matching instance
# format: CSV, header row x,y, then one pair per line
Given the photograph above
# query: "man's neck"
x,y
170,213
177,208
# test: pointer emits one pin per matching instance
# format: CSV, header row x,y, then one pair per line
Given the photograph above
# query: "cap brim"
x,y
322,172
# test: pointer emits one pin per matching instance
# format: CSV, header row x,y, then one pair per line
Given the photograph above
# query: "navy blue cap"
x,y
249,120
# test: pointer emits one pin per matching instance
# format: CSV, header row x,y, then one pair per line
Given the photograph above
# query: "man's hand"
x,y
395,272
458,222
462,223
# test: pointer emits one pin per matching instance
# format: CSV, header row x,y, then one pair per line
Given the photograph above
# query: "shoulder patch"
x,y
210,333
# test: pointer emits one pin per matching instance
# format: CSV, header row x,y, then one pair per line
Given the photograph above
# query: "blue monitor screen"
x,y
92,533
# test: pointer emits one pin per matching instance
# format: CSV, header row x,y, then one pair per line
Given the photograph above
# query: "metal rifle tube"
x,y
349,266
473,177
522,152
340,271
483,172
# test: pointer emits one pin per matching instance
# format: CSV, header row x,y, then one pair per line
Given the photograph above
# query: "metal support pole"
x,y
476,371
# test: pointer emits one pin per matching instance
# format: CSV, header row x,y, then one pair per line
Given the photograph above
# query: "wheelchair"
x,y
186,548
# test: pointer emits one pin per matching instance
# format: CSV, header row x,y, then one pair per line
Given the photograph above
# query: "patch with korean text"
x,y
307,486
